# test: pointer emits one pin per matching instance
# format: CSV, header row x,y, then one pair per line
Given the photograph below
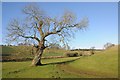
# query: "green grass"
x,y
26,51
23,70
104,64
21,51
101,65
53,52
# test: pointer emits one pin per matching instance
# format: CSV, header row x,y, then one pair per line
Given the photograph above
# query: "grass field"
x,y
104,64
101,65
48,70
26,51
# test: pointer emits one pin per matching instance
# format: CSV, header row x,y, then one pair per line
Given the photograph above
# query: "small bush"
x,y
75,54
81,53
92,52
87,54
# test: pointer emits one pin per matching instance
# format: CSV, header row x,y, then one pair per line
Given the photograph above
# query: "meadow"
x,y
103,64
26,52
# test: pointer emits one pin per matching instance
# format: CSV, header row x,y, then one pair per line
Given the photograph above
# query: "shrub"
x,y
81,53
92,52
75,54
87,54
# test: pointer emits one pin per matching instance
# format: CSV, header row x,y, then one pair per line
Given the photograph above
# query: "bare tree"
x,y
39,27
92,50
108,45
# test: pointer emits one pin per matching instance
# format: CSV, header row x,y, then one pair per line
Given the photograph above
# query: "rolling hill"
x,y
104,64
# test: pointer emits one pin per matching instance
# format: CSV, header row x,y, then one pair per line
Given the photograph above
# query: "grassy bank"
x,y
104,64
26,52
101,65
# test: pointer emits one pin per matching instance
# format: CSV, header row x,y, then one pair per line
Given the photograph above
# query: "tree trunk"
x,y
37,59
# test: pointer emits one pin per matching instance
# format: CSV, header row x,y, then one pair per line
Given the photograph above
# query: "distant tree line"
x,y
86,49
7,45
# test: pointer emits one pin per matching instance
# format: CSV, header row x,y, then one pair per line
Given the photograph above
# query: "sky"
x,y
103,20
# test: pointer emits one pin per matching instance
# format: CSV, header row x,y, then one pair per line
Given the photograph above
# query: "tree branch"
x,y
60,29
30,37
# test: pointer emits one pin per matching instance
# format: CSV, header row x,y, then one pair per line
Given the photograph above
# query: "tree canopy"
x,y
39,27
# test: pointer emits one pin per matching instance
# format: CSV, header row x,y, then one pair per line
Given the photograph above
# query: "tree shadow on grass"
x,y
63,62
